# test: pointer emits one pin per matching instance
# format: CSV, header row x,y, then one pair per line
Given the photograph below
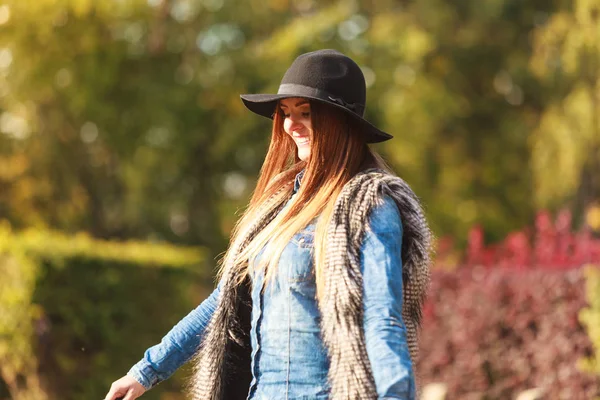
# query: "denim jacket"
x,y
289,360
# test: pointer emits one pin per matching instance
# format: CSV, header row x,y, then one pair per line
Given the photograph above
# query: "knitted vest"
x,y
222,363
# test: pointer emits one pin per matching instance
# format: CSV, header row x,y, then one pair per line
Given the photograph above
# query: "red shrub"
x,y
551,245
490,333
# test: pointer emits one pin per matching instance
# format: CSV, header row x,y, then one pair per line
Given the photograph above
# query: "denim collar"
x,y
298,180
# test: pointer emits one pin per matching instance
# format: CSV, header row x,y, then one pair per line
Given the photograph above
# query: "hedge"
x,y
490,333
76,312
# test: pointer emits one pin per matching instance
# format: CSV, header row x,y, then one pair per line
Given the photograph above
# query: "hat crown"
x,y
331,72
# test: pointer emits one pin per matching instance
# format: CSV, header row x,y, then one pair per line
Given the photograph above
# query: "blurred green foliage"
x,y
566,143
74,319
123,118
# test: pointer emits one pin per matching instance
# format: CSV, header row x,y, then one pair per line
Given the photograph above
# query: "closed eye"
x,y
304,114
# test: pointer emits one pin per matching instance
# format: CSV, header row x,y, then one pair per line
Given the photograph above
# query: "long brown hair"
x,y
338,152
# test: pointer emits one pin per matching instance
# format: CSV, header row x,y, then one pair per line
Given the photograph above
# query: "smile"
x,y
302,141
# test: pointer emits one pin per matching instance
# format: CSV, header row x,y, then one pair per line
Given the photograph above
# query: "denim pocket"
x,y
299,259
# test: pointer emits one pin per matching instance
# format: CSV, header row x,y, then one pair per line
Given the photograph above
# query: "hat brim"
x,y
264,105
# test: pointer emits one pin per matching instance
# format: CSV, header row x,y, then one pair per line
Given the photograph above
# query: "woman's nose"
x,y
295,123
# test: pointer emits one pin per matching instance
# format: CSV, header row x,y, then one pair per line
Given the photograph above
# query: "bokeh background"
x,y
126,156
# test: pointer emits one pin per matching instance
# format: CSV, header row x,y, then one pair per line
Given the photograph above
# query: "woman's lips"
x,y
302,141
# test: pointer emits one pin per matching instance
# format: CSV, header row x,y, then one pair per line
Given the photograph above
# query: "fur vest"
x,y
222,363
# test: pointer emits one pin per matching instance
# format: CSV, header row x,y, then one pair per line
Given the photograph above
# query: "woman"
x,y
321,288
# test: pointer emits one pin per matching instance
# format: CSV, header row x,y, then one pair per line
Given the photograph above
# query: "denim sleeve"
x,y
385,333
176,347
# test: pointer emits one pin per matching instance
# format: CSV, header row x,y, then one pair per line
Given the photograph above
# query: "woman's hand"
x,y
125,388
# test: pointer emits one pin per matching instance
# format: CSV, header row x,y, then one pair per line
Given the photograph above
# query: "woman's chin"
x,y
303,154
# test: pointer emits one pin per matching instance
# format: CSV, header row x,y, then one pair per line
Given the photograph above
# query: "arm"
x,y
177,347
385,333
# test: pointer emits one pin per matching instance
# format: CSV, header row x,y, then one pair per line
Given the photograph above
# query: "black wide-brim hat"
x,y
327,76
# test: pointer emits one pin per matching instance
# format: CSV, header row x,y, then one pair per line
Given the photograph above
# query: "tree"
x,y
566,144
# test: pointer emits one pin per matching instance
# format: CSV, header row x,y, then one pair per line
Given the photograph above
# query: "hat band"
x,y
307,91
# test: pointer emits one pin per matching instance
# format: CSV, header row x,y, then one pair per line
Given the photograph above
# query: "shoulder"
x,y
377,180
385,216
380,192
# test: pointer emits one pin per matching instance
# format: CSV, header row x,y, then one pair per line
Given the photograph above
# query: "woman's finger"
x,y
130,395
115,393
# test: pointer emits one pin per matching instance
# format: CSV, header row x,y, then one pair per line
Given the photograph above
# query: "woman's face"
x,y
297,123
